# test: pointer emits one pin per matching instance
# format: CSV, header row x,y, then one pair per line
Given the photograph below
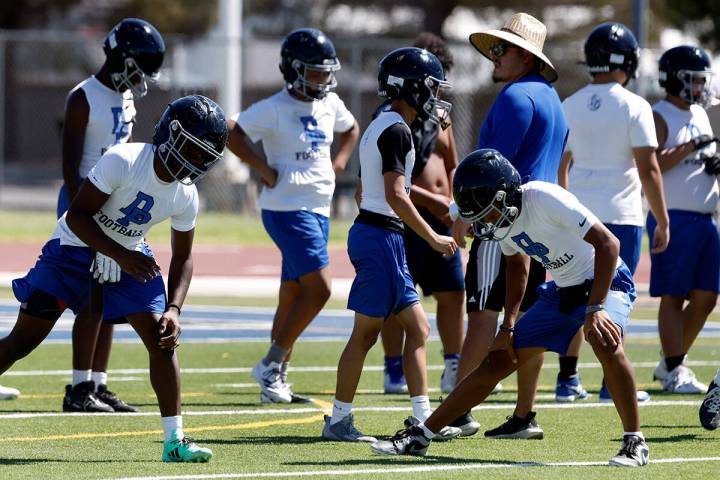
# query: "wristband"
x,y
503,328
170,305
594,308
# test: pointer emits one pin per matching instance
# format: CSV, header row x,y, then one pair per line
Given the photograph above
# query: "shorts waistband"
x,y
379,220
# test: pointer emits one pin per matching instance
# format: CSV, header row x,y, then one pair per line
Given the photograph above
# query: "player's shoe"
x,y
660,371
344,431
446,433
294,397
411,441
516,427
467,424
710,408
81,398
270,381
8,393
682,380
570,390
104,395
449,376
633,453
185,450
605,397
394,385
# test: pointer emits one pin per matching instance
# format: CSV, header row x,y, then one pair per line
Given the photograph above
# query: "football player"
x,y
100,113
592,290
296,127
132,187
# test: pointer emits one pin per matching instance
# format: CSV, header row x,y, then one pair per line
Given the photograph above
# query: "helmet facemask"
x,y
132,78
185,157
691,81
313,90
486,231
428,104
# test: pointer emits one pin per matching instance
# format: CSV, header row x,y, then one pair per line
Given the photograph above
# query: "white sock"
x,y
172,427
428,433
340,411
636,434
80,376
717,377
421,407
100,378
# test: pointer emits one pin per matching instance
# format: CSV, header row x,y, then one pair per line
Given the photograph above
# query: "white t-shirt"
x,y
110,121
138,198
686,185
550,228
296,137
606,122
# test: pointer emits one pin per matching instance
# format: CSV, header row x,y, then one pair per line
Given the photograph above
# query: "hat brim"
x,y
483,41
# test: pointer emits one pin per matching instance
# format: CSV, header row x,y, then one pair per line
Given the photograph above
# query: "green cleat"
x,y
185,450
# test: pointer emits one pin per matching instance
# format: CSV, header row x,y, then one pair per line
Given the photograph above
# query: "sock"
x,y
568,367
276,354
671,363
284,371
637,434
428,433
100,378
421,407
717,377
340,411
393,367
79,376
172,427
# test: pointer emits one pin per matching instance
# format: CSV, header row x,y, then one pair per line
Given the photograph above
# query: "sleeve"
x,y
184,220
642,126
507,249
344,120
567,109
508,122
564,209
258,121
394,143
108,173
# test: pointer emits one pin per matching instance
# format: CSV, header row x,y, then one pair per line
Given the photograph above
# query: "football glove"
x,y
105,269
703,141
712,164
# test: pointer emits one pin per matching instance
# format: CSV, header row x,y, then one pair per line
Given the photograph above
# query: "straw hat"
x,y
523,30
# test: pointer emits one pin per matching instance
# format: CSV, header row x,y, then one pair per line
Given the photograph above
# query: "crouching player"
x,y
133,187
592,290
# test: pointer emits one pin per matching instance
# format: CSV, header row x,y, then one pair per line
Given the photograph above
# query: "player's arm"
x,y
239,144
652,184
358,192
445,147
346,144
77,112
564,169
179,276
517,269
667,158
437,203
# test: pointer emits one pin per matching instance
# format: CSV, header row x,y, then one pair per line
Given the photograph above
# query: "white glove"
x,y
105,269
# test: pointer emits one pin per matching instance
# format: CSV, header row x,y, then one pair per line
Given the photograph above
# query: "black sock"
x,y
568,367
671,363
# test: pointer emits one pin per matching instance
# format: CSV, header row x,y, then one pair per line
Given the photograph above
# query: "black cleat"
x,y
295,398
710,408
411,441
81,398
516,427
108,397
467,424
633,453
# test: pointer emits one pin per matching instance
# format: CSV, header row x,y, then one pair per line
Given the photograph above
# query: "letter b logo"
x,y
138,211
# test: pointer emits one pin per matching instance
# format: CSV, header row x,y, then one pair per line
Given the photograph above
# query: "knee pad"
x,y
43,305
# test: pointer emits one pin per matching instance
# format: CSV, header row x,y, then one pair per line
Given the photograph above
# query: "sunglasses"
x,y
500,49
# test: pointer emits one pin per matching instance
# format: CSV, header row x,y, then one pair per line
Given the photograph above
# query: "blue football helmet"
x,y
612,46
415,76
190,137
134,51
486,181
685,72
308,49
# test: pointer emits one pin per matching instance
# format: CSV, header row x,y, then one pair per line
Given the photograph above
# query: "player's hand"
x,y
105,269
139,265
440,206
169,330
702,141
599,325
460,231
504,341
661,238
712,164
269,177
444,245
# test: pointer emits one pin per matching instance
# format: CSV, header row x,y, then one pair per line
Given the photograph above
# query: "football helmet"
x,y
415,76
190,137
134,51
486,181
304,50
612,46
685,72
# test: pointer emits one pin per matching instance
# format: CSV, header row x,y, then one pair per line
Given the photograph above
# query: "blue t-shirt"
x,y
527,125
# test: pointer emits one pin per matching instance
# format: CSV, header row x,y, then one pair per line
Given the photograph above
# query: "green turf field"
x,y
253,440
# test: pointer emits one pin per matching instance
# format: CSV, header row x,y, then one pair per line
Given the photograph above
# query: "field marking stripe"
x,y
420,468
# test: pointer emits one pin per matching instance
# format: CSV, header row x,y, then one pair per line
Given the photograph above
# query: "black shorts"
x,y
485,279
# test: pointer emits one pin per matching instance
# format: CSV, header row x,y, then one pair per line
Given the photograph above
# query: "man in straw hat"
x,y
527,125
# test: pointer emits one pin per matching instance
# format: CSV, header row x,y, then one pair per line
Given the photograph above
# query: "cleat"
x,y
185,450
411,441
633,453
294,398
467,424
269,379
9,393
108,397
682,380
710,408
81,398
344,431
516,427
448,377
660,371
398,385
605,397
445,433
570,390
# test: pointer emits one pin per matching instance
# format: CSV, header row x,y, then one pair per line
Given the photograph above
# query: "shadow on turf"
x,y
429,459
279,440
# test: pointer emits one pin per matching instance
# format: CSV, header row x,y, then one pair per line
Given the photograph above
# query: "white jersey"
x,y
296,137
550,228
606,122
385,146
686,185
110,121
138,198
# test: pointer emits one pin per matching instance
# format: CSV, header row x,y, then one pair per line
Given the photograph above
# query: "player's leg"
x,y
34,323
393,336
449,318
700,305
568,387
99,376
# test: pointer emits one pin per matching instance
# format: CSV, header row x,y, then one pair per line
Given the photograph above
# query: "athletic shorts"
x,y
62,203
630,237
428,267
692,259
485,279
302,237
545,326
64,272
382,284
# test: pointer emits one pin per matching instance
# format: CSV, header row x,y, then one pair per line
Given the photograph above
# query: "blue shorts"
x,y
630,237
692,259
382,284
546,327
62,203
302,238
64,272
429,268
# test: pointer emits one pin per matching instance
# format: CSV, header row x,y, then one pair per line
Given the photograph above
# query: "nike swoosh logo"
x,y
583,222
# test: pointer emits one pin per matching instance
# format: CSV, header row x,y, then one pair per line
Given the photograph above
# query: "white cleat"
x,y
9,393
633,453
269,378
682,380
394,387
448,377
